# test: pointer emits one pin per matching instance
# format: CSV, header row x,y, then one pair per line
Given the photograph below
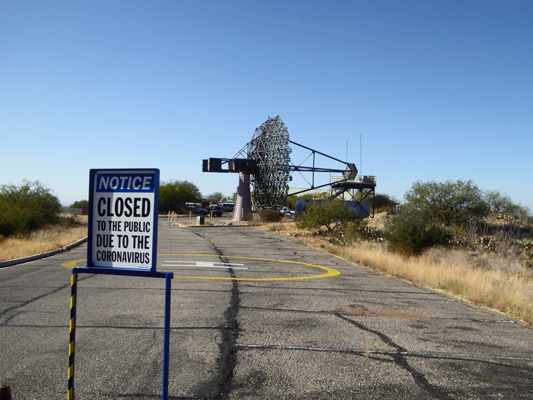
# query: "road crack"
x,y
230,334
229,331
14,310
401,361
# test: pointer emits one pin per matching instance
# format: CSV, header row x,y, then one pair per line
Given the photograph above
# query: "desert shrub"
x,y
70,221
383,203
270,215
27,207
410,234
364,232
329,214
352,230
80,204
503,205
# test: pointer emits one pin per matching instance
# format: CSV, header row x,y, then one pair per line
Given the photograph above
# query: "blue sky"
x,y
434,90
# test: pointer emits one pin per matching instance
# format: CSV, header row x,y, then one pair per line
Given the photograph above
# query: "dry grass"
x,y
454,272
42,241
503,283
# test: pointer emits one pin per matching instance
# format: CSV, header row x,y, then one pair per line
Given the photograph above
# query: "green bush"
x,y
359,230
80,204
270,215
330,214
26,208
409,234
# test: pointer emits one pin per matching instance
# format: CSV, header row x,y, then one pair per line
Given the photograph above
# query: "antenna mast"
x,y
360,154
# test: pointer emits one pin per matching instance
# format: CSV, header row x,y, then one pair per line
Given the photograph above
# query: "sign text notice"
x,y
123,219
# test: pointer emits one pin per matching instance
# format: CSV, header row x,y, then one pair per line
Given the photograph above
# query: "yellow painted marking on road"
x,y
72,264
330,272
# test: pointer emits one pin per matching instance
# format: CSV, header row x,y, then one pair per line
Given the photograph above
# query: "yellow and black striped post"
x,y
73,292
5,392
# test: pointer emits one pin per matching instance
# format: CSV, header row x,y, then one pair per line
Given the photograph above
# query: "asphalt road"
x,y
255,315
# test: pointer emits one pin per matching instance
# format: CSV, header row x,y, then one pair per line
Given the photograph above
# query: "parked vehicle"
x,y
286,211
226,206
216,211
202,211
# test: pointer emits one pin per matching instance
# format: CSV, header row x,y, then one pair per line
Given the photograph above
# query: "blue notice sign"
x,y
123,207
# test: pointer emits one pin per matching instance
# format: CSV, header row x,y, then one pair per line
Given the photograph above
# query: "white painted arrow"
x,y
202,264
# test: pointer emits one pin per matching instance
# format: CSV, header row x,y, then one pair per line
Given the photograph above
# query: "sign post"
x,y
122,240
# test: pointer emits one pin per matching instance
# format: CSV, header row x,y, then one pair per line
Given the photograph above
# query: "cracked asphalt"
x,y
255,315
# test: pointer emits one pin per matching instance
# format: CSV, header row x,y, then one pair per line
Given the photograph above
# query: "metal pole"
x,y
361,155
73,294
168,287
322,154
313,170
166,344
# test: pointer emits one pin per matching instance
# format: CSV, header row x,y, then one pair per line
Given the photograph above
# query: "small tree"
x,y
502,204
449,203
215,197
175,193
330,214
80,204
